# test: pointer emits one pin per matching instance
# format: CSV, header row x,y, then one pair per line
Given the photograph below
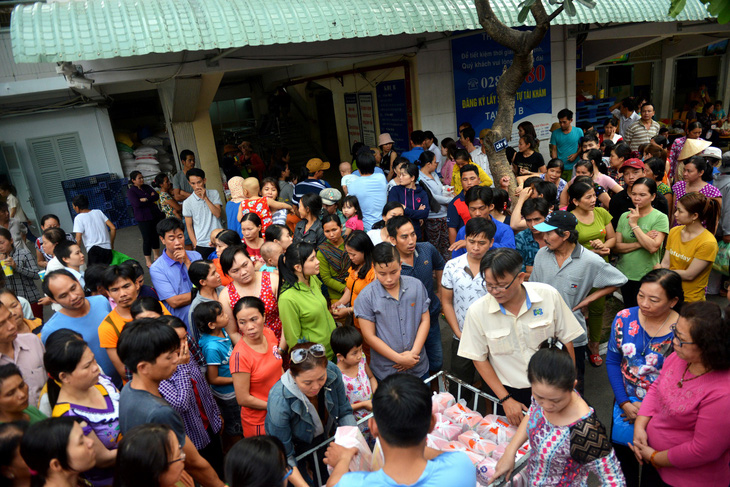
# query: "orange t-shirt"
x,y
112,326
265,369
225,280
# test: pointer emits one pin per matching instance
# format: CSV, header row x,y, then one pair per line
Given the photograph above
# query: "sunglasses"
x,y
300,354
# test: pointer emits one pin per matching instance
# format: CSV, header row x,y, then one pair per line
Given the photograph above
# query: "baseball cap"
x,y
633,162
316,164
330,196
558,220
711,152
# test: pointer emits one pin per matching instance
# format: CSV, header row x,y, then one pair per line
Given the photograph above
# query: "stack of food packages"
x,y
483,438
150,156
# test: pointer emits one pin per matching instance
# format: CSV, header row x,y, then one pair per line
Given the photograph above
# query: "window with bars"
x,y
55,159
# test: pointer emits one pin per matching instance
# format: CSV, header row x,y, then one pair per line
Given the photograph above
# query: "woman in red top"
x,y
255,363
246,281
251,230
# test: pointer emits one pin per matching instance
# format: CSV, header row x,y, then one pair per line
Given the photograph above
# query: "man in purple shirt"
x,y
169,273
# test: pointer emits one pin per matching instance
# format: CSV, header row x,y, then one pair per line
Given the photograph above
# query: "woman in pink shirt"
x,y
682,433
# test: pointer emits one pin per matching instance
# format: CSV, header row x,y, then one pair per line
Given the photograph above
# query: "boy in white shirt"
x,y
96,231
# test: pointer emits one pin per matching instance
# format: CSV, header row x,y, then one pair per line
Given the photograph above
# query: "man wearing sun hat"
x,y
314,183
632,170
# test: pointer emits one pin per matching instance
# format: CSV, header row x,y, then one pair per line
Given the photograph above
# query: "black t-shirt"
x,y
533,163
621,203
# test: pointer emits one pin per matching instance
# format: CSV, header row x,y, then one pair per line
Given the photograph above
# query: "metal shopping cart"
x,y
446,383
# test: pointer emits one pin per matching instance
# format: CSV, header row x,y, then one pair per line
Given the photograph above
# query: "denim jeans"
x,y
433,346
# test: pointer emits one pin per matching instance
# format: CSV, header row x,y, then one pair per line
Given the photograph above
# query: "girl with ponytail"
x,y
691,247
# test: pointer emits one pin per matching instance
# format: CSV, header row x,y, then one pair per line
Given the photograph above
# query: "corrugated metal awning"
x,y
99,29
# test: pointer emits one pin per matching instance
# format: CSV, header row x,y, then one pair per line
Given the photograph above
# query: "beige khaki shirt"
x,y
508,341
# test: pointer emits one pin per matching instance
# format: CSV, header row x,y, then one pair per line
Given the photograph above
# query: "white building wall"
x,y
435,83
95,132
435,87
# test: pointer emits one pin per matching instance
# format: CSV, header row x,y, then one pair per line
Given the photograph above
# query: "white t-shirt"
x,y
13,202
93,229
346,179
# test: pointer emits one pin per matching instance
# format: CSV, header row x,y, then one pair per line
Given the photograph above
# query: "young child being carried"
x,y
360,383
261,205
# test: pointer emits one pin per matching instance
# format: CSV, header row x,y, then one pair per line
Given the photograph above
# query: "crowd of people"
x,y
314,306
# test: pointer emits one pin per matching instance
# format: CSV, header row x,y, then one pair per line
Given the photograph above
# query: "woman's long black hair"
x,y
295,255
359,241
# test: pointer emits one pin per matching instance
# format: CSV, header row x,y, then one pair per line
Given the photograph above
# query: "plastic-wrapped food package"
x,y
441,401
474,457
454,446
446,429
476,443
461,414
485,470
349,437
495,428
436,442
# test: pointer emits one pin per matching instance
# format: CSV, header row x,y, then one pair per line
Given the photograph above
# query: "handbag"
x,y
622,432
722,259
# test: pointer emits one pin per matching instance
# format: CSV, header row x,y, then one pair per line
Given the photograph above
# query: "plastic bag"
x,y
476,443
455,446
495,428
441,401
722,259
485,470
446,429
378,461
461,414
436,442
349,437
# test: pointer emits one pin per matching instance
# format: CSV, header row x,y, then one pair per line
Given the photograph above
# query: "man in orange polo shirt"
x,y
121,284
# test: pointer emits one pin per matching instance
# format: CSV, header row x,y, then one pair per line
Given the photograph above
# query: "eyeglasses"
x,y
287,474
501,288
181,458
679,340
300,354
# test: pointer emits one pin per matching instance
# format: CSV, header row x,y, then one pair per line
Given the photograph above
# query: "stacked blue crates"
x,y
105,192
594,111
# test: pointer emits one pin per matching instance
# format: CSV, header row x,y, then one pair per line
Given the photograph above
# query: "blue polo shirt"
x,y
88,327
170,278
426,259
504,237
413,154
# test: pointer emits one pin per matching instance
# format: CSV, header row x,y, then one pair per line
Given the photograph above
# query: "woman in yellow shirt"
x,y
691,248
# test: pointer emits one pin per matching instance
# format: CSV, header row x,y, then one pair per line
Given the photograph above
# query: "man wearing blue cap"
x,y
579,275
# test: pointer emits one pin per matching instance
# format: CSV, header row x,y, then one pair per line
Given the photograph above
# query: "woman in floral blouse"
x,y
641,338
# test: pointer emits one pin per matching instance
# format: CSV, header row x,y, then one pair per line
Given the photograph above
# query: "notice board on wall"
x,y
393,112
478,63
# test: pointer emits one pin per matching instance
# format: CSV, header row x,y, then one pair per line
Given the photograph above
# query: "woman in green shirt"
x,y
596,234
639,238
303,310
334,262
14,397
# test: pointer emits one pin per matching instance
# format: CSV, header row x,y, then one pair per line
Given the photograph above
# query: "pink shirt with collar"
x,y
692,423
28,356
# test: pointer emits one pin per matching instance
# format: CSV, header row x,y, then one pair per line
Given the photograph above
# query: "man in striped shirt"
x,y
642,131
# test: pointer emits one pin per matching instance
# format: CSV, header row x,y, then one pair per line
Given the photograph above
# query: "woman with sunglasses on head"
x,y
682,432
151,456
306,406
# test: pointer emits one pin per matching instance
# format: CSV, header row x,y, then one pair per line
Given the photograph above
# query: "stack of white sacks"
x,y
483,439
150,158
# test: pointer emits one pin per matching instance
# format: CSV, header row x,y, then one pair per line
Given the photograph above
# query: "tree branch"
x,y
556,13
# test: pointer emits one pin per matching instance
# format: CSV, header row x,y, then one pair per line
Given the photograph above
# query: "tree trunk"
x,y
522,44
